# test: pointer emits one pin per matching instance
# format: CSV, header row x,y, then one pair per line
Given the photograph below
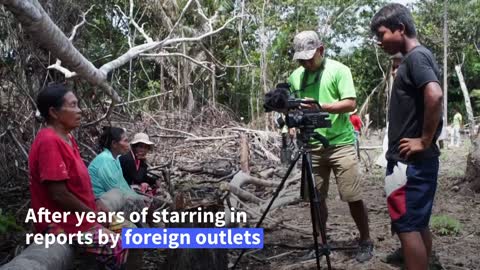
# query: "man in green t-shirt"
x,y
457,124
331,84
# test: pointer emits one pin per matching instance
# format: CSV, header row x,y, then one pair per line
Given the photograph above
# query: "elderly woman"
x,y
134,165
135,169
59,179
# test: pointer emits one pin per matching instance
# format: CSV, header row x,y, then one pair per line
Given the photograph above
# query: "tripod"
x,y
307,178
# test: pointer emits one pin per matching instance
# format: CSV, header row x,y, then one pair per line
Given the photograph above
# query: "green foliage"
x,y
475,95
343,25
463,36
445,225
8,223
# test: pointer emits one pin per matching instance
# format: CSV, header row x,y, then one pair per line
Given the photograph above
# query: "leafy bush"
x,y
8,223
445,225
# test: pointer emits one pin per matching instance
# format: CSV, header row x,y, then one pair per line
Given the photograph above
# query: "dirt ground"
x,y
454,252
284,248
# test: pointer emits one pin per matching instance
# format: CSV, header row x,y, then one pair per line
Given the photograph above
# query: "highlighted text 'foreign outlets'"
x,y
189,238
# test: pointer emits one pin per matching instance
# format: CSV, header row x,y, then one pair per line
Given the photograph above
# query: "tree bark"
x,y
472,174
195,259
466,96
445,62
213,86
263,58
244,154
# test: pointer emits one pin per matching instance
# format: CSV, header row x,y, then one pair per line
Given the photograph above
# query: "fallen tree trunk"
x,y
37,257
202,169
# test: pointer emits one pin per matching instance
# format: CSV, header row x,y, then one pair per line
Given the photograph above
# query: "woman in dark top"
x,y
134,164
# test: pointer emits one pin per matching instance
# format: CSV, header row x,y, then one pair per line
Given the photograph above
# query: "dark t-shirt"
x,y
134,175
406,111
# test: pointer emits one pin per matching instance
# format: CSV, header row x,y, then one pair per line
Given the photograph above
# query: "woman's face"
x,y
141,150
122,146
69,115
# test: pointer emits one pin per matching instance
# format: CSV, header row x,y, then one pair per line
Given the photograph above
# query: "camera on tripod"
x,y
305,119
279,100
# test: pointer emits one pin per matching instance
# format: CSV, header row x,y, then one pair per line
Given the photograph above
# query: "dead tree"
x,y
468,104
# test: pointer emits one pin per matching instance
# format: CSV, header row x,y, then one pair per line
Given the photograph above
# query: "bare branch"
x,y
75,28
58,66
202,64
240,32
333,18
217,62
14,138
134,23
209,21
179,18
105,116
168,129
137,50
378,62
142,99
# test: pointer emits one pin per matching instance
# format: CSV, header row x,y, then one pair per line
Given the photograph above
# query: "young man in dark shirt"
x,y
414,126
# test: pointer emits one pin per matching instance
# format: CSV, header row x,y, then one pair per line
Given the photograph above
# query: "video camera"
x,y
279,100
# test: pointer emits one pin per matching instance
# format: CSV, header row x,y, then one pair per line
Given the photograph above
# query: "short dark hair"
x,y
51,96
393,16
110,135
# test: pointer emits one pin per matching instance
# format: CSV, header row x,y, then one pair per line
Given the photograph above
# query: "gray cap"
x,y
305,44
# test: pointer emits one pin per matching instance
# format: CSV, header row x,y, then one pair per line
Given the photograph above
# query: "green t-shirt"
x,y
335,84
457,120
106,173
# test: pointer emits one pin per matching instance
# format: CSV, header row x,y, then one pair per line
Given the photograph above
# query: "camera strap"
x,y
318,78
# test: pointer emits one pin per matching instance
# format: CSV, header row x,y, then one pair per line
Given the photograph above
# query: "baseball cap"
x,y
305,45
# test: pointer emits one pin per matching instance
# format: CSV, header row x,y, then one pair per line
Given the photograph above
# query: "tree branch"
x,y
134,23
46,34
58,64
75,28
137,50
105,116
476,47
378,62
179,18
142,99
202,64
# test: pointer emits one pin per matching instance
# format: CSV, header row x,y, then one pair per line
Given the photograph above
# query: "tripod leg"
x,y
275,195
307,173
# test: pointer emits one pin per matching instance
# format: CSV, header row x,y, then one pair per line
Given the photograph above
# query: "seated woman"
x,y
59,179
135,169
108,183
134,165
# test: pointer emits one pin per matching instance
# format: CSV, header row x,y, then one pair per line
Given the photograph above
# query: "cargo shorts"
x,y
343,161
